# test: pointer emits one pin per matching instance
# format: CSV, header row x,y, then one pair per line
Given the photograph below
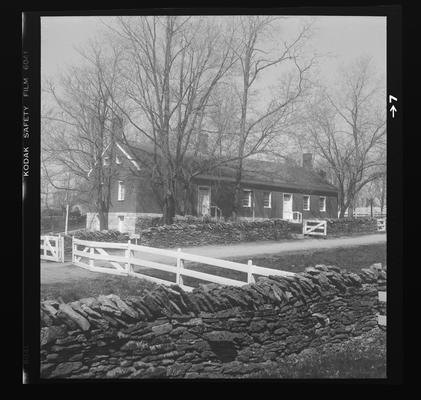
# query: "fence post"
x,y
180,266
62,249
128,255
73,249
91,260
250,277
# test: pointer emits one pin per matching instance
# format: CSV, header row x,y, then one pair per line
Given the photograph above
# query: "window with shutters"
x,y
306,203
322,203
246,198
267,199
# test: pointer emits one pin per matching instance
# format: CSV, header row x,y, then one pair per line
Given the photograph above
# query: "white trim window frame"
x,y
308,202
121,191
322,208
249,191
269,200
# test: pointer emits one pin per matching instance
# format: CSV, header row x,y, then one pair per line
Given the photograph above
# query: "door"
x,y
203,201
120,223
287,206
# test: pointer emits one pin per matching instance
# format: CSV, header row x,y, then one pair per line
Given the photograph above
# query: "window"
x,y
267,199
246,199
106,161
121,190
322,203
117,160
306,203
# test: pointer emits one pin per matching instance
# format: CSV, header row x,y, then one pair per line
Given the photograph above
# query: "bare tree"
x,y
258,127
81,138
172,65
348,130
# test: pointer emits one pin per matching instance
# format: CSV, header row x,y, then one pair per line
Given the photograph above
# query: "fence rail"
x,y
382,318
315,227
52,248
124,264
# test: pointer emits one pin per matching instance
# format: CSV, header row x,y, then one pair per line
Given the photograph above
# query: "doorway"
x,y
120,223
203,201
287,206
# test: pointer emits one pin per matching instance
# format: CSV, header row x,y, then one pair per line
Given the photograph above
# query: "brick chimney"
x,y
308,160
117,127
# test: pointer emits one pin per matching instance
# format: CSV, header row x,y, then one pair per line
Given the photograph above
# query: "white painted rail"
x,y
315,227
382,318
52,248
86,253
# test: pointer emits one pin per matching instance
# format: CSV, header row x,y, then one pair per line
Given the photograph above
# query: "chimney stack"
x,y
117,127
308,160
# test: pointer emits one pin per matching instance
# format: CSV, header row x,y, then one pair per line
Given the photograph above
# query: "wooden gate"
x,y
314,227
52,248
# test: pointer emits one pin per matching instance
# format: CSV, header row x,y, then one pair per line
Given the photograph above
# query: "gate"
x,y
314,227
52,248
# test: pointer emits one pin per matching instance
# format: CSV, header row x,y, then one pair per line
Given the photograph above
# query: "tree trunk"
x,y
383,196
169,208
103,220
237,194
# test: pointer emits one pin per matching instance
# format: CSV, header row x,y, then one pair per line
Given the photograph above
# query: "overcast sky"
x,y
344,38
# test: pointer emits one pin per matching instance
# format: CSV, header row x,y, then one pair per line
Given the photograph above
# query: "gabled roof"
x,y
255,172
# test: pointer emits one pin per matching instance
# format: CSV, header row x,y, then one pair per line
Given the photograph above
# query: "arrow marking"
x,y
393,110
392,98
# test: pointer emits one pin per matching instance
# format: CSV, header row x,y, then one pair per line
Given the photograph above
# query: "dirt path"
x,y
52,272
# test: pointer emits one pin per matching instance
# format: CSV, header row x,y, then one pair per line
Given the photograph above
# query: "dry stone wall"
x,y
198,234
212,332
350,226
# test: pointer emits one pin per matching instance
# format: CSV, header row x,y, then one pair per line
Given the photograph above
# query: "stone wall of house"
x,y
211,332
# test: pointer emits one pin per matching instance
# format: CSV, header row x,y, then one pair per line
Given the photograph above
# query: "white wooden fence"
x,y
382,318
52,248
381,224
124,264
315,227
